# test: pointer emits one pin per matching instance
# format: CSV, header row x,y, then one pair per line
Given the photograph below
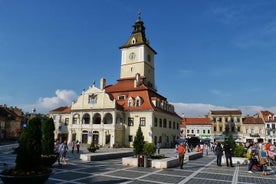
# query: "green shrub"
x,y
239,151
150,149
92,148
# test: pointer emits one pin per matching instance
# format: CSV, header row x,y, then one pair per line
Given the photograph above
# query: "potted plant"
x,y
28,167
92,148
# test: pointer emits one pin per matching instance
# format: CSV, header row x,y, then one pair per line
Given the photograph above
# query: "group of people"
x,y
61,149
259,155
226,148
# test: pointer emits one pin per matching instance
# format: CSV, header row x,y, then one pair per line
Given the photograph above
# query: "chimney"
x,y
103,81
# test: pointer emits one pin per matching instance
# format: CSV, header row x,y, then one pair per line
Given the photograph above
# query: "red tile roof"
x,y
126,87
62,110
223,112
268,116
196,121
252,120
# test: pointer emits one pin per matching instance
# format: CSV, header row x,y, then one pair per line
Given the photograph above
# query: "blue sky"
x,y
215,54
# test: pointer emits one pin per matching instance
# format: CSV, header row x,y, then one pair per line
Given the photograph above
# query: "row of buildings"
x,y
109,115
219,123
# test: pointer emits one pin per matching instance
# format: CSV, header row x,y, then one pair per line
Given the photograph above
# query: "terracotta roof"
x,y
62,110
252,120
196,121
224,112
126,87
266,113
268,116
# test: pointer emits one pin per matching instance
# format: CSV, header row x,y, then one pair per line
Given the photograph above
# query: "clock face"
x,y
132,55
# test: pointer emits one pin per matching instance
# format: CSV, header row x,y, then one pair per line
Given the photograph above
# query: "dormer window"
x,y
138,101
130,102
92,99
122,97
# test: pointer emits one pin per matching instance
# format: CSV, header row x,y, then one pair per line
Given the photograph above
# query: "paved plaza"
x,y
203,170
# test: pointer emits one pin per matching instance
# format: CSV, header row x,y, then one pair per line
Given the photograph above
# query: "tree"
x,y
139,142
231,140
48,136
29,151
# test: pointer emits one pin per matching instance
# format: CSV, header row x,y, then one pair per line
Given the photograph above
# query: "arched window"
x,y
108,118
97,119
86,119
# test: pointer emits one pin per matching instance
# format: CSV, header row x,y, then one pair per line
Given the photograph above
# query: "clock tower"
x,y
138,56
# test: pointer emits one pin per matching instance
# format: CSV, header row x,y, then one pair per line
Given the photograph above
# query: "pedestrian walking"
x,y
181,149
57,144
219,153
78,146
73,144
158,147
206,148
63,148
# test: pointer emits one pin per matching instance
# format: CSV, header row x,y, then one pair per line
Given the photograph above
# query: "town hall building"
x,y
109,115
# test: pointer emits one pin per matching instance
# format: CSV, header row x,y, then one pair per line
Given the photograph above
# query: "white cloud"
x,y
200,110
219,93
44,105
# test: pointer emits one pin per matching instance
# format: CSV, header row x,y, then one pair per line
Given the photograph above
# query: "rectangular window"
x,y
155,122
130,121
75,120
143,121
165,123
170,124
130,138
66,121
204,131
122,97
160,122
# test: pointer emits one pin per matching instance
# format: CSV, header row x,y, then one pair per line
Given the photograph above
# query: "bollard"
x,y
145,161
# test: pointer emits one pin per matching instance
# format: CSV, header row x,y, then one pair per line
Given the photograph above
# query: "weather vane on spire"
x,y
139,14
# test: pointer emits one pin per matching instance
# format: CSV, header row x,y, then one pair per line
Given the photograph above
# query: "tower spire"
x,y
139,15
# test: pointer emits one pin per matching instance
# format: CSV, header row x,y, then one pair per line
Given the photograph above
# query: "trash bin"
x,y
140,160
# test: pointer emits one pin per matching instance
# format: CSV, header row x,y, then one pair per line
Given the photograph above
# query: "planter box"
x,y
161,163
235,160
104,156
